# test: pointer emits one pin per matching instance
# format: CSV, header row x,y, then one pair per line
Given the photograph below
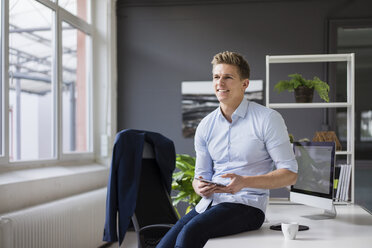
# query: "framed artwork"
x,y
199,99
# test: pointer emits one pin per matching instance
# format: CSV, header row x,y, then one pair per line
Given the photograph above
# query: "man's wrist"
x,y
247,181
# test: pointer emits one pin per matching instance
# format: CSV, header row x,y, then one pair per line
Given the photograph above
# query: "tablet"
x,y
210,182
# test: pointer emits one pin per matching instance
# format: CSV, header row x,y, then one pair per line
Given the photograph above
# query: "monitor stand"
x,y
328,214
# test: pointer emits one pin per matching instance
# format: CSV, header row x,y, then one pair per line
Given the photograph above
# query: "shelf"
x,y
309,58
349,105
343,153
310,105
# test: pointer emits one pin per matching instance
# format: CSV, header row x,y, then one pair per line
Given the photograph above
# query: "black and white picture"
x,y
198,100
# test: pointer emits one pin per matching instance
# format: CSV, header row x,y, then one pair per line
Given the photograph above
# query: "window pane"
x,y
75,96
356,37
79,8
342,125
30,81
366,126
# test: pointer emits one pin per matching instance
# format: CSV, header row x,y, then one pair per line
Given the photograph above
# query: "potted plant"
x,y
182,181
304,88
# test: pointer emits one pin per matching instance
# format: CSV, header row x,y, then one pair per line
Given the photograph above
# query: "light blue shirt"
x,y
252,144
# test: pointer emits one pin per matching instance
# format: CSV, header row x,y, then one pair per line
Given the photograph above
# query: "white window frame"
x,y
5,78
99,131
64,16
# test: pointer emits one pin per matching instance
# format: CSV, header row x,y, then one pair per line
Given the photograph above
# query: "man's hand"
x,y
272,180
204,189
236,184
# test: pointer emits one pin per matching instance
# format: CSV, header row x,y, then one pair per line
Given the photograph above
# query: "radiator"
x,y
75,221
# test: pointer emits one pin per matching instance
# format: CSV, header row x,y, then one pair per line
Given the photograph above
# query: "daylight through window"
x,y
46,117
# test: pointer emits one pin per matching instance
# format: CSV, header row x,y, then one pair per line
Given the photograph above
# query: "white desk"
x,y
352,228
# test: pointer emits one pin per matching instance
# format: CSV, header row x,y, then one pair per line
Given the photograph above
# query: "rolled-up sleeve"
x,y
277,143
283,157
204,162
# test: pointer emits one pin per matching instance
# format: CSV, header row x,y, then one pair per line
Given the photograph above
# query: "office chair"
x,y
154,214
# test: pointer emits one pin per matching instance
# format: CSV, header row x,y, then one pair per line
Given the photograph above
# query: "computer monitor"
x,y
314,186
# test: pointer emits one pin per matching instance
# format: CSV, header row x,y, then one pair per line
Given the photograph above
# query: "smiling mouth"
x,y
222,90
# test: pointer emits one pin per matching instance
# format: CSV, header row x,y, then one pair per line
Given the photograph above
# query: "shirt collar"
x,y
241,111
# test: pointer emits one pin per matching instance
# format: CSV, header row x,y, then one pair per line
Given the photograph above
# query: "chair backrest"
x,y
148,151
153,202
154,214
153,205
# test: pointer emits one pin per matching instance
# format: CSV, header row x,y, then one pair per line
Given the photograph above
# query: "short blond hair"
x,y
232,58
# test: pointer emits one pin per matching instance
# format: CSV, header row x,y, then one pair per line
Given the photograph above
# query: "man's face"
x,y
228,86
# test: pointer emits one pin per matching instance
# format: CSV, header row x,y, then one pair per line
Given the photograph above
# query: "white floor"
x,y
130,241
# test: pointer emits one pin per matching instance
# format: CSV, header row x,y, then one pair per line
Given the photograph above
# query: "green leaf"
x,y
283,85
186,158
178,214
188,209
182,181
322,88
189,173
181,195
195,198
181,165
178,175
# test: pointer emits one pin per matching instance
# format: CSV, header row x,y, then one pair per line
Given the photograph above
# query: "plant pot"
x,y
304,94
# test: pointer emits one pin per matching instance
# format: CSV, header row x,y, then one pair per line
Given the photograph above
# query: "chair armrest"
x,y
149,236
159,227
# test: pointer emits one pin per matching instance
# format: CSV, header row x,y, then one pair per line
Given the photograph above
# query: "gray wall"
x,y
161,45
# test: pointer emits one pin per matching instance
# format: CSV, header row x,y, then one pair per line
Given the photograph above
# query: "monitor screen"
x,y
315,168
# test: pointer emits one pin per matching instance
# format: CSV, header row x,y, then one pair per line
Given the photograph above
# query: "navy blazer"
x,y
124,176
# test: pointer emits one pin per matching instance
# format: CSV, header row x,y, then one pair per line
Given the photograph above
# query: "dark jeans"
x,y
193,230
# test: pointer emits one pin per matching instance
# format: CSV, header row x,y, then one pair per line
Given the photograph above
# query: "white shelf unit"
x,y
349,105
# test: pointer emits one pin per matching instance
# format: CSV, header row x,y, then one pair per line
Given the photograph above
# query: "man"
x,y
237,145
